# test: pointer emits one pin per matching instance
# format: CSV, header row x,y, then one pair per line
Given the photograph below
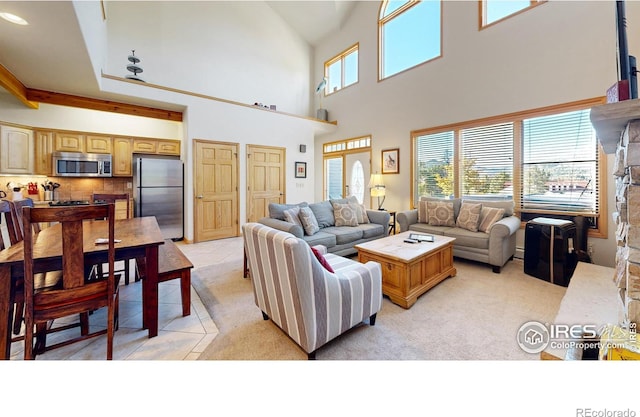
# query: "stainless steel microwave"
x,y
76,164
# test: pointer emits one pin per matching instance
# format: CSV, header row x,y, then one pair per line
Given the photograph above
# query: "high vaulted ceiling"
x,y
49,54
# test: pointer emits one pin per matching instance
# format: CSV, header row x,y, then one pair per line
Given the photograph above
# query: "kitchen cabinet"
x,y
121,209
156,146
147,146
169,147
16,150
69,142
43,152
122,157
98,144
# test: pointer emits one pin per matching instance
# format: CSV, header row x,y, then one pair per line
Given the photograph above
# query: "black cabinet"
x,y
548,250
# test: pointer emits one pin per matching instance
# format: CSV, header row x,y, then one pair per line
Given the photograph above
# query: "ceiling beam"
x,y
101,105
10,83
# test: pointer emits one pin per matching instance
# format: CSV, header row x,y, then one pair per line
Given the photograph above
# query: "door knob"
x,y
200,196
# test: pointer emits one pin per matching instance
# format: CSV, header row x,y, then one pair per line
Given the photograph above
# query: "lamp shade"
x,y
376,180
376,184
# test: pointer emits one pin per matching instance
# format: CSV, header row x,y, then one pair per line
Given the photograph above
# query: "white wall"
x,y
71,118
555,53
241,51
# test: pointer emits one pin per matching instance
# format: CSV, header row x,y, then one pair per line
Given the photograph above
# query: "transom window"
x,y
492,11
342,70
547,160
409,34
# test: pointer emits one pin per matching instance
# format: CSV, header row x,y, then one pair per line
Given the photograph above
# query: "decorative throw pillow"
x,y
440,213
469,216
361,213
423,217
308,220
276,211
291,215
345,214
322,259
488,216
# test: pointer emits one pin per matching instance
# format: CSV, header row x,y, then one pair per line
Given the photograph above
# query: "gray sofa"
x,y
496,246
338,240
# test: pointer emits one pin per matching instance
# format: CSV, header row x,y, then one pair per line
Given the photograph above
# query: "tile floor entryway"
x,y
179,338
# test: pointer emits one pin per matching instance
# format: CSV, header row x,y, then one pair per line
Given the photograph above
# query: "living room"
x,y
579,64
244,52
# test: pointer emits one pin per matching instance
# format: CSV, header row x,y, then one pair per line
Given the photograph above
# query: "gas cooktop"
x,y
70,203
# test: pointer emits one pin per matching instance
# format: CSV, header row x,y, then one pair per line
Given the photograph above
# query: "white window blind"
x,y
434,165
560,164
486,161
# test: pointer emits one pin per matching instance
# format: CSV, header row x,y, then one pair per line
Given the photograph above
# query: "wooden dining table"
x,y
139,238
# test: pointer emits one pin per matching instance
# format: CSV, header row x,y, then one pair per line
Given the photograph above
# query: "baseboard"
x,y
519,252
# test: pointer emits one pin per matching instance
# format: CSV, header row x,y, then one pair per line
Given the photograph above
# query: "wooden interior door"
x,y
265,179
216,190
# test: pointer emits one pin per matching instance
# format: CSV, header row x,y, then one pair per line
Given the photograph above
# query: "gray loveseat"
x,y
338,240
495,246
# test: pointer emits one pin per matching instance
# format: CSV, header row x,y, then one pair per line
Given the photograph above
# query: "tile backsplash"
x,y
71,188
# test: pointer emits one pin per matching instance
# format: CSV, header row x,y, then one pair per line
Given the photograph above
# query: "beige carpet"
x,y
474,315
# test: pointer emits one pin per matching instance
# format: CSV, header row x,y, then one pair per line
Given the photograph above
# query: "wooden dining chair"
x,y
7,217
15,219
75,293
16,207
112,198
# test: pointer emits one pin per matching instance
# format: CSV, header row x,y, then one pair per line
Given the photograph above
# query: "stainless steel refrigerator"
x,y
159,191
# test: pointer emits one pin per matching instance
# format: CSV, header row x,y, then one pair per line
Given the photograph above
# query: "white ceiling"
x,y
49,54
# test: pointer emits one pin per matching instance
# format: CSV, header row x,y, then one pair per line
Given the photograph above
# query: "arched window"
x,y
409,34
357,181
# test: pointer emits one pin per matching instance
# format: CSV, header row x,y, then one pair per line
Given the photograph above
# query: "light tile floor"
x,y
179,338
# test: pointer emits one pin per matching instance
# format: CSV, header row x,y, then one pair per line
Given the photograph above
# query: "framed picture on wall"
x,y
391,161
301,170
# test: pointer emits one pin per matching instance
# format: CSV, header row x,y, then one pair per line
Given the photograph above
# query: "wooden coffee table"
x,y
409,269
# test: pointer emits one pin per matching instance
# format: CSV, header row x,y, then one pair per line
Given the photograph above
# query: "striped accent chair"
x,y
310,304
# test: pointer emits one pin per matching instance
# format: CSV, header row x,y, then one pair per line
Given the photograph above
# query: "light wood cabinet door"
x,y
16,150
98,144
69,142
43,153
145,146
122,157
168,147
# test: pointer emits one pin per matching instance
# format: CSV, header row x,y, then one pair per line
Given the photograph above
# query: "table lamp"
x,y
376,184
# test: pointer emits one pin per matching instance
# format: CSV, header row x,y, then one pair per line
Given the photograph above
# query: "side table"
x,y
392,223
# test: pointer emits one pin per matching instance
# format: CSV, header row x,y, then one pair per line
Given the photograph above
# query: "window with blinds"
x,y
547,160
560,164
434,165
486,166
